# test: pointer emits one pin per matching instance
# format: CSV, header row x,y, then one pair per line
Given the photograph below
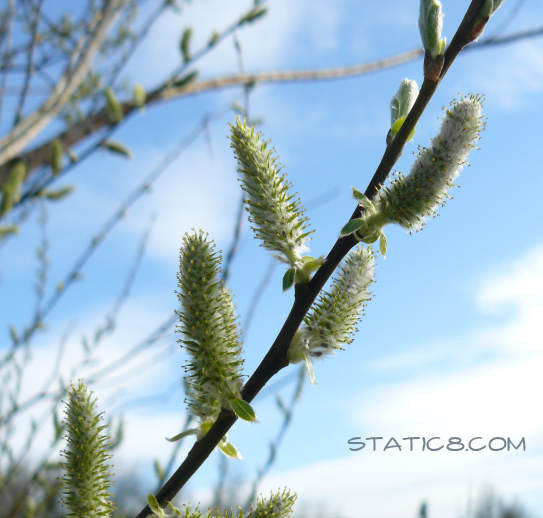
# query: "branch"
x,y
305,294
80,130
26,130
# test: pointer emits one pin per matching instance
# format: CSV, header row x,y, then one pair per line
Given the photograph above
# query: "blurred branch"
x,y
30,62
5,35
168,91
28,128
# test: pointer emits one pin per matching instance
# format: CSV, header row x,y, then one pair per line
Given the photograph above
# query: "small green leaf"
x,y
138,95
58,194
383,244
230,450
185,80
253,15
352,226
214,39
204,428
184,44
152,502
363,200
243,410
114,109
11,190
116,147
6,230
191,431
56,156
310,371
397,125
288,278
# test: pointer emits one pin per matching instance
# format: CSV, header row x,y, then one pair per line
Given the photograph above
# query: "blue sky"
x,y
451,342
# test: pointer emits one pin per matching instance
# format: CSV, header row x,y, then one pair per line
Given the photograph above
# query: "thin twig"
x,y
29,64
78,131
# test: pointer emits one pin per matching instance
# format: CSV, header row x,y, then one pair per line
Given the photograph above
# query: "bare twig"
x,y
29,63
78,131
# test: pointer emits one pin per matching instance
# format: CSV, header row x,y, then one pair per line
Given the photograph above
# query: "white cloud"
x,y
513,77
199,191
137,377
269,43
496,395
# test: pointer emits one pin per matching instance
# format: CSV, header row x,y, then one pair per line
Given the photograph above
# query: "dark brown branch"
x,y
305,294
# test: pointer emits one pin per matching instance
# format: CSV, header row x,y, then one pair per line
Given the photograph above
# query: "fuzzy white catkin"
x,y
410,199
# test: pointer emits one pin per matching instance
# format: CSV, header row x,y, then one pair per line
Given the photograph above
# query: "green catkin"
x,y
278,505
333,318
276,215
209,327
86,483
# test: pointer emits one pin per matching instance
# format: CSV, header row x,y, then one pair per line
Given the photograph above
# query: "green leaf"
x,y
383,244
56,156
230,450
185,80
152,502
11,190
309,367
6,230
184,44
243,410
351,226
138,95
363,200
114,109
58,194
175,438
397,125
253,15
213,39
288,278
116,147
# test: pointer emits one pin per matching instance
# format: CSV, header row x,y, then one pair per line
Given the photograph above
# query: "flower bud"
x,y
430,26
401,104
487,10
